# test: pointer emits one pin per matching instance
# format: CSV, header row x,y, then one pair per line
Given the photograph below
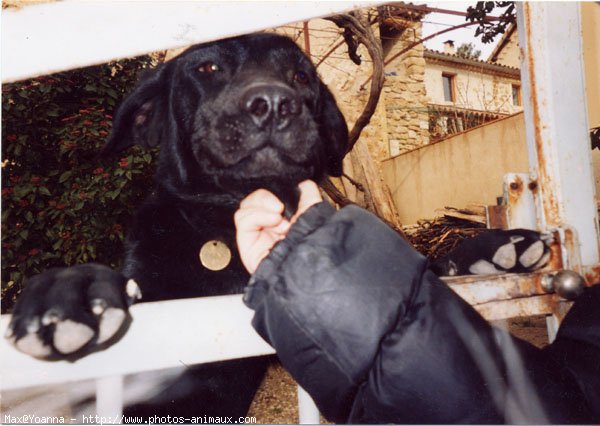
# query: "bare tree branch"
x,y
334,193
357,30
362,33
356,184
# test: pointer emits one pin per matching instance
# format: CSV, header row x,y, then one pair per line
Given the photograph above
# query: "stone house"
x,y
426,179
460,93
464,93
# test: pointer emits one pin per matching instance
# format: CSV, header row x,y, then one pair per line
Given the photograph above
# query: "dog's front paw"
x,y
67,312
496,251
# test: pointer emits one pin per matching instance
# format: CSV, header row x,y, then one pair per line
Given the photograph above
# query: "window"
x,y
448,83
516,95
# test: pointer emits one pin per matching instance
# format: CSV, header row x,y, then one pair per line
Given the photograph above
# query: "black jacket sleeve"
x,y
375,337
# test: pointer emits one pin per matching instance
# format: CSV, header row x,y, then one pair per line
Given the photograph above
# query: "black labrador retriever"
x,y
230,116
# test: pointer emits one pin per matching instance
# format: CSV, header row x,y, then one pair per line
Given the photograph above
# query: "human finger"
x,y
263,199
252,219
309,196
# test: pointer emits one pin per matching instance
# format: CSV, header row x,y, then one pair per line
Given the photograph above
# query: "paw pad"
x,y
32,345
70,336
505,256
532,254
483,267
526,251
110,323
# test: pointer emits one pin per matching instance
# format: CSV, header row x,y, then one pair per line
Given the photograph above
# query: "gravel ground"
x,y
276,400
531,329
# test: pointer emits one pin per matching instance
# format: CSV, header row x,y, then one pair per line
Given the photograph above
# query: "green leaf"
x,y
22,191
43,190
54,144
65,176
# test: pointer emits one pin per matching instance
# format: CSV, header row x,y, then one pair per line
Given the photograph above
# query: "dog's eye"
x,y
301,77
209,67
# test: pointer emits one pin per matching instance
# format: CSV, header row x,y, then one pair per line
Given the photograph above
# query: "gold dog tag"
x,y
215,255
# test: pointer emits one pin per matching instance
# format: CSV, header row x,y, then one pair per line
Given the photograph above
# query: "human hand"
x,y
260,223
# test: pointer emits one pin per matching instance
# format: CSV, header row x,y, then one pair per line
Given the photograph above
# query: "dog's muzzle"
x,y
271,105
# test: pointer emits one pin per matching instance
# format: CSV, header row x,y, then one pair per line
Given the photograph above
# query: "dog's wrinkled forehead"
x,y
264,51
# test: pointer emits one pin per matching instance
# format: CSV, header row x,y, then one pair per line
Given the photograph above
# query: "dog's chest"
x,y
183,255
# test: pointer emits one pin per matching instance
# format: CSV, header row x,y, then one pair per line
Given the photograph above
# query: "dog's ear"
x,y
140,117
333,129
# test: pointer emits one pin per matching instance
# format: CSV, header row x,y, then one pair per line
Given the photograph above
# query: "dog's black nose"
x,y
271,104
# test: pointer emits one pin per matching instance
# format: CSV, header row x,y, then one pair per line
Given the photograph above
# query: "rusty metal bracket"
x,y
516,295
556,124
506,296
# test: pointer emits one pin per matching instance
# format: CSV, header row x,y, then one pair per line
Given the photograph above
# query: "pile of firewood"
x,y
438,237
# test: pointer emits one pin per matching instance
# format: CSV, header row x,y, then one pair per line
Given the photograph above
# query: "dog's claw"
x,y
52,316
98,306
133,290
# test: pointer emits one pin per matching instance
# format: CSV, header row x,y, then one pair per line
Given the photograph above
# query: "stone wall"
x,y
405,96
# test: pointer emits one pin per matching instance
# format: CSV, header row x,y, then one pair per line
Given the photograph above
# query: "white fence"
x,y
46,38
161,335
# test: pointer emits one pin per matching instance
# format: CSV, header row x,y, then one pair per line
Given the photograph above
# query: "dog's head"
x,y
234,115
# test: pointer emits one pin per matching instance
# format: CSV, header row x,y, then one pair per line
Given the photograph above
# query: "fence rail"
x,y
162,334
46,38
